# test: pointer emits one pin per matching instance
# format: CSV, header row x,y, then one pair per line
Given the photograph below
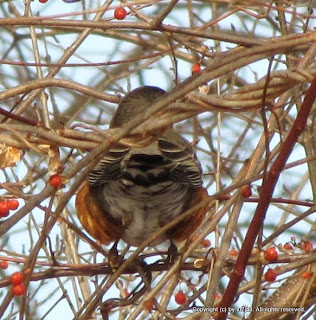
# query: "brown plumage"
x,y
132,192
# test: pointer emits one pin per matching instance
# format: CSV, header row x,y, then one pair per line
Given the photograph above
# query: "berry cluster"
x,y
16,279
7,205
18,288
205,243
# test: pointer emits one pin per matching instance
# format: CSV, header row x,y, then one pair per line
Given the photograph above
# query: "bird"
x,y
136,190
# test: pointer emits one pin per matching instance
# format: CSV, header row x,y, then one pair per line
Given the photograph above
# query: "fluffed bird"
x,y
134,191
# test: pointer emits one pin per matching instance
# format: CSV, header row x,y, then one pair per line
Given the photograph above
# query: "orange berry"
x,y
4,264
19,289
306,275
270,275
233,253
196,68
271,254
246,191
307,246
120,13
180,297
13,204
149,304
218,296
55,180
16,278
288,246
206,243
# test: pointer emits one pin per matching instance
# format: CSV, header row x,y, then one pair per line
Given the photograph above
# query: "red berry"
x,y
307,246
246,191
16,278
271,254
42,1
306,275
180,297
288,246
120,13
270,275
13,204
149,304
196,68
4,214
19,289
55,180
4,208
218,296
233,253
206,243
4,264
